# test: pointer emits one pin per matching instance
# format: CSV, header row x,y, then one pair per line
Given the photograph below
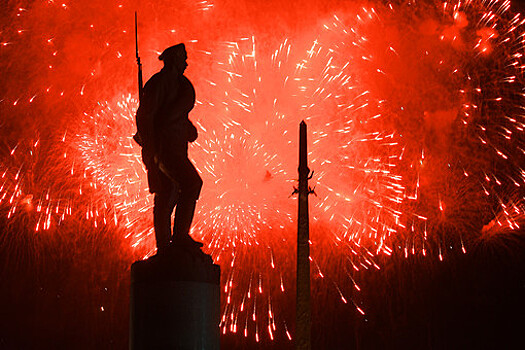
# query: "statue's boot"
x,y
186,241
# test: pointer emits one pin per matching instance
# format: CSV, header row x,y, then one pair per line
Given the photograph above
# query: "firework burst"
x,y
416,120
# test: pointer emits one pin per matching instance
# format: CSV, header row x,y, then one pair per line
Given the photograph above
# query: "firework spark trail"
x,y
250,162
417,138
508,220
63,58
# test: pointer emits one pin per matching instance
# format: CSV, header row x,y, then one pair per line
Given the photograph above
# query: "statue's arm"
x,y
147,113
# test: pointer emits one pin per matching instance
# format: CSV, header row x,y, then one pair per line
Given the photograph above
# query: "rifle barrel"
x,y
139,64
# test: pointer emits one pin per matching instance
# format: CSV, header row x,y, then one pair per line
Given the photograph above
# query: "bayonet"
x,y
139,64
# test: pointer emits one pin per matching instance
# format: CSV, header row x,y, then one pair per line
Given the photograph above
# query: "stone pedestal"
x,y
175,302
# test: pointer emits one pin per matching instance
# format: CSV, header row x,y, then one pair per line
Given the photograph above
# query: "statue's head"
x,y
174,58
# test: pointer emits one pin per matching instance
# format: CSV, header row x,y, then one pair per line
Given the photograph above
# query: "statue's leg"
x,y
183,218
165,200
190,187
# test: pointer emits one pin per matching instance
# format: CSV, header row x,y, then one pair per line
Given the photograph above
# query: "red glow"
x,y
401,152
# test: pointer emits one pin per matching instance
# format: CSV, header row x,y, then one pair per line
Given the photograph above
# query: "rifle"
x,y
138,58
136,137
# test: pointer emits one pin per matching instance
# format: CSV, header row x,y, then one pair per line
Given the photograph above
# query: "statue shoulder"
x,y
156,81
185,80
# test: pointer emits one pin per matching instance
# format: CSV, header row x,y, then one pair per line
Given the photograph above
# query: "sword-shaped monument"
x,y
303,307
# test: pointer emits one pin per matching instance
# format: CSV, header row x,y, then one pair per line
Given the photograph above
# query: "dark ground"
x,y
72,293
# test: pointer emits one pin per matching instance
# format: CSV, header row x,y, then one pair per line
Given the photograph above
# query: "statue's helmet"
x,y
173,54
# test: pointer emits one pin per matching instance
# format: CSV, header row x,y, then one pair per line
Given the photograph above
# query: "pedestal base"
x,y
175,302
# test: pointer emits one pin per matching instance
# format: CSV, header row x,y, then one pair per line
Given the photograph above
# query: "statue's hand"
x,y
191,132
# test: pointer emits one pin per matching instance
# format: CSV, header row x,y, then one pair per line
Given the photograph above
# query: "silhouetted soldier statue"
x,y
163,131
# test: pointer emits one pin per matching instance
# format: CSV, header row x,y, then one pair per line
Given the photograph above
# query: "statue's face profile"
x,y
174,58
182,62
179,63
